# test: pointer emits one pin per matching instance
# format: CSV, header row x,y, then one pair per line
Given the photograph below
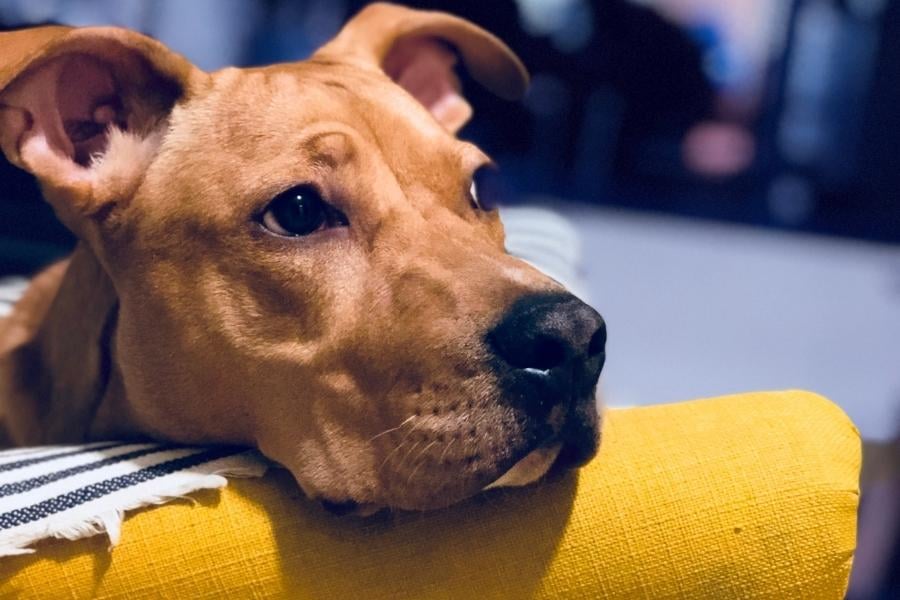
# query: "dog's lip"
x,y
580,440
530,468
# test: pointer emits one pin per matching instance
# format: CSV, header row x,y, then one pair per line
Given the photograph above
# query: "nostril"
x,y
597,344
533,352
548,353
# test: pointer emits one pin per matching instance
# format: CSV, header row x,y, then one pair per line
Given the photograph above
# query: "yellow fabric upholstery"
x,y
750,496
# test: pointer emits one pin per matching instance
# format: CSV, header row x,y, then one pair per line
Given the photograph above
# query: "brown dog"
x,y
291,257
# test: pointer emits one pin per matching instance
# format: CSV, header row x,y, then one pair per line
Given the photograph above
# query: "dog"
x,y
293,258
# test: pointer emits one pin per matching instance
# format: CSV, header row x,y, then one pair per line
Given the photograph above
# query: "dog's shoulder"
x,y
50,386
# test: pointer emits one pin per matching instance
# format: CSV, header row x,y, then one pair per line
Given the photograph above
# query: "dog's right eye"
x,y
300,211
480,192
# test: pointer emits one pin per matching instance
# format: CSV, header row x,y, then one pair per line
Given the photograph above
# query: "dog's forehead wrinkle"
x,y
330,148
336,84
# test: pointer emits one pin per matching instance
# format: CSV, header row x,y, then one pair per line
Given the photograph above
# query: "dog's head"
x,y
301,258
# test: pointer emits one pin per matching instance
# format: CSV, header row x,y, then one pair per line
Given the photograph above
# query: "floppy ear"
x,y
66,97
418,50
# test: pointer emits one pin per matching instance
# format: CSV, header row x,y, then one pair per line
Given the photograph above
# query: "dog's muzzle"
x,y
550,349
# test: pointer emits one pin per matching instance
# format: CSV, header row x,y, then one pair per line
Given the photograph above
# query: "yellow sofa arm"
x,y
753,495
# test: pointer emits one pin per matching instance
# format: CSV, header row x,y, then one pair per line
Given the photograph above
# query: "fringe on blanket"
x,y
74,492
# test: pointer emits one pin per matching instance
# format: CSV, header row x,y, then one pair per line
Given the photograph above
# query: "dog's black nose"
x,y
552,347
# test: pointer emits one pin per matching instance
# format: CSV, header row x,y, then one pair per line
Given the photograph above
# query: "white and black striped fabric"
x,y
77,491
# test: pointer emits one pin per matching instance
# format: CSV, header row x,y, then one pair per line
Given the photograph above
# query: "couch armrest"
x,y
753,495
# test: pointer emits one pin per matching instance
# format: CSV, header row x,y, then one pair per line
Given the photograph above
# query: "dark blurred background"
x,y
732,168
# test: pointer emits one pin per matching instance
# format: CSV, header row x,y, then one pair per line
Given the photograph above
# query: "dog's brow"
x,y
333,83
329,148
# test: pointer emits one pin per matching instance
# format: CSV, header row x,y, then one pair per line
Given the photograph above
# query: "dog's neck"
x,y
57,372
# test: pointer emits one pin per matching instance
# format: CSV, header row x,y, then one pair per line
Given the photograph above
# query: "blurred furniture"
x,y
876,566
829,127
745,496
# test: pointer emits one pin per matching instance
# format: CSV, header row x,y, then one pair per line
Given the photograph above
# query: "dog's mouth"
x,y
573,448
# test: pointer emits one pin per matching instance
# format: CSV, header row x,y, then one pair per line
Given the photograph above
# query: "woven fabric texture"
x,y
748,496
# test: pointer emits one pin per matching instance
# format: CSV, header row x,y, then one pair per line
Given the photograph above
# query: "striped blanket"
x,y
77,491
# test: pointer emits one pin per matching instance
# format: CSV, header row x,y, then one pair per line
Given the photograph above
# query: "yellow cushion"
x,y
745,496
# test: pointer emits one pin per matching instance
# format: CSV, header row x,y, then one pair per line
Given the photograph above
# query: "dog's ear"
x,y
66,97
418,49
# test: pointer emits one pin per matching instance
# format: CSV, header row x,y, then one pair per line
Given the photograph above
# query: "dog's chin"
x,y
529,469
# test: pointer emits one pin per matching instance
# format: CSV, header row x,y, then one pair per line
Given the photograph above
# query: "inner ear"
x,y
85,115
71,101
89,102
424,67
67,104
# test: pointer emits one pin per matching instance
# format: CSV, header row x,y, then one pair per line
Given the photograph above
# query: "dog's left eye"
x,y
300,211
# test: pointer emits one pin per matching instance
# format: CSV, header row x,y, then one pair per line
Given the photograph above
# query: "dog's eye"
x,y
480,189
300,211
473,195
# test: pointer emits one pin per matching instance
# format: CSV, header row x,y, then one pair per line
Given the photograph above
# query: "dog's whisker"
x,y
413,430
392,429
407,455
419,462
401,444
446,449
390,454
